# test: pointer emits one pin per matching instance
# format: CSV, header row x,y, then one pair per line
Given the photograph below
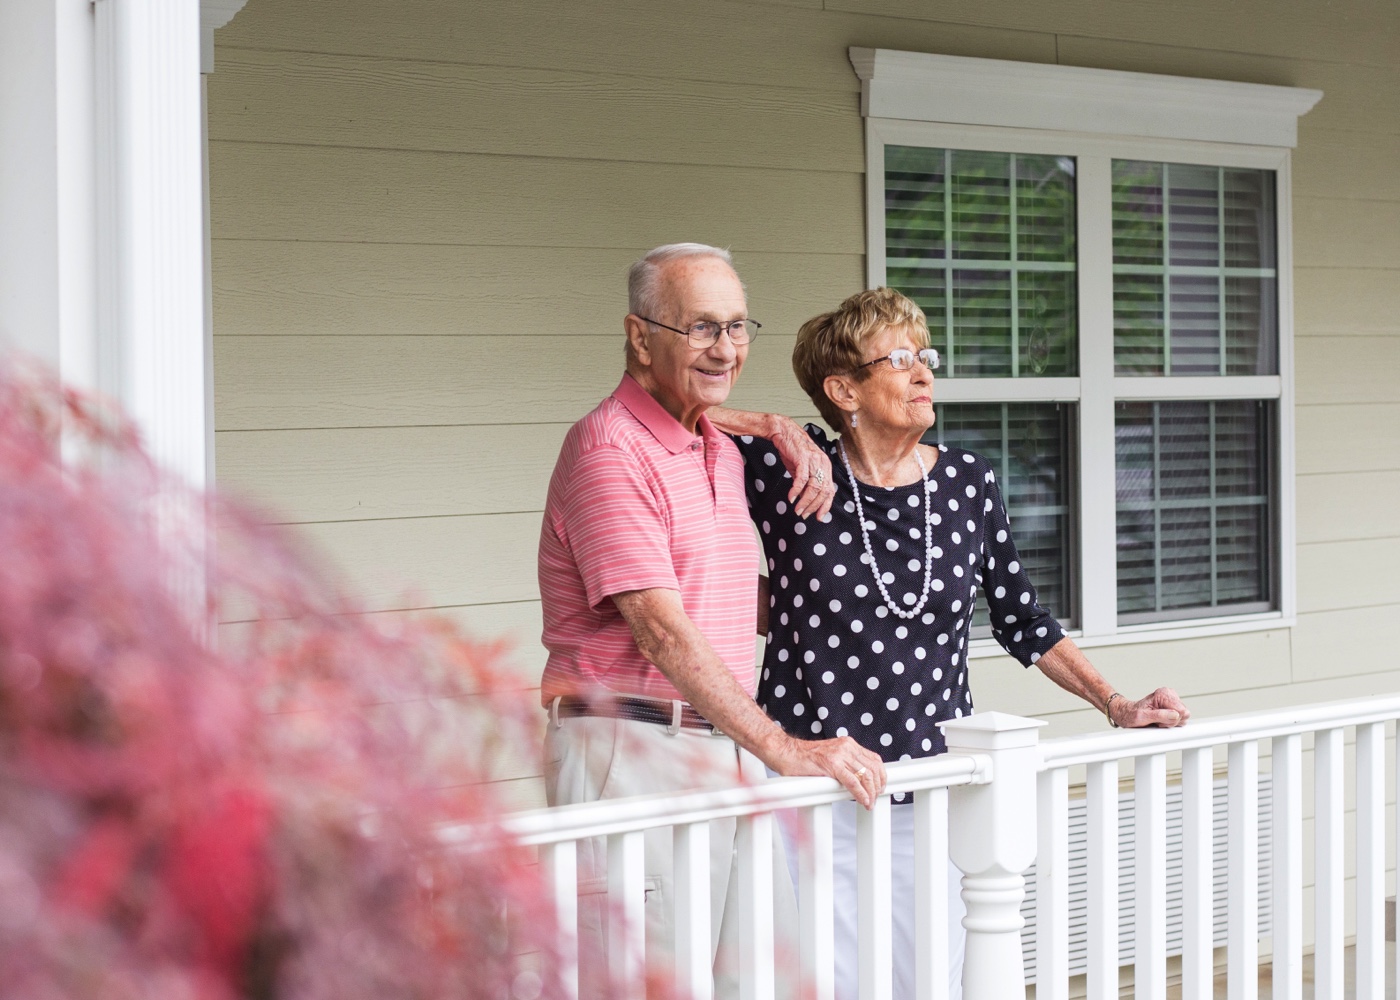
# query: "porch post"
x,y
150,210
47,230
992,839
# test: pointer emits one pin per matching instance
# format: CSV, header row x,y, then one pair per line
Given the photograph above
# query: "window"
x,y
1113,311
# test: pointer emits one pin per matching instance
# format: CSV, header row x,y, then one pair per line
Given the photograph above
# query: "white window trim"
x,y
1096,116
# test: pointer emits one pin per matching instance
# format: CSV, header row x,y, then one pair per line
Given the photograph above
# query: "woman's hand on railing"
x,y
860,772
1162,708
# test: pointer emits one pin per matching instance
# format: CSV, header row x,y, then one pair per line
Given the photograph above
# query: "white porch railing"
x,y
993,804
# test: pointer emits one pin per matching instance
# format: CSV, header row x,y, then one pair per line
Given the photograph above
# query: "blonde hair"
x,y
833,343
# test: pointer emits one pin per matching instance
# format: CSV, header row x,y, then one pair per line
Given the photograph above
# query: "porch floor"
x,y
1266,978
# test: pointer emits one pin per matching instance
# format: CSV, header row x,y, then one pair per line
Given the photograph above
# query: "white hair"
x,y
644,277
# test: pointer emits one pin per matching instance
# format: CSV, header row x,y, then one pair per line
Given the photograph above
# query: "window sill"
x,y
1191,628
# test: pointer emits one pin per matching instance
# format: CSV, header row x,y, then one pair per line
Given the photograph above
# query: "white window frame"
x,y
1097,116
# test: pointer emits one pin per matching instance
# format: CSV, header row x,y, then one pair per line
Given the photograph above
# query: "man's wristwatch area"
x,y
1107,706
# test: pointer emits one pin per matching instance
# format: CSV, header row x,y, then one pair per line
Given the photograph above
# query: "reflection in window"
x,y
1194,509
1029,446
985,243
1195,281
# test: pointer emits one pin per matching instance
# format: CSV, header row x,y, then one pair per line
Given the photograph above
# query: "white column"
x,y
213,15
992,839
47,185
151,222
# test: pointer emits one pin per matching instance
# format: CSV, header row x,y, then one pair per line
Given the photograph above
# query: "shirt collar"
x,y
655,418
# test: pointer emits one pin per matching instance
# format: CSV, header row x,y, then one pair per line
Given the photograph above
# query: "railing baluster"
x,y
1052,886
1150,839
627,910
754,855
873,848
1370,861
817,943
931,894
1288,867
1327,867
691,850
560,862
1197,874
1242,850
1101,789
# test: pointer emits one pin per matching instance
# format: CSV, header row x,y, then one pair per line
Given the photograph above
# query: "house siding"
x,y
423,211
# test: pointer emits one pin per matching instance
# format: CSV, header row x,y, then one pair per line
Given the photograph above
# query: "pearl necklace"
x,y
870,552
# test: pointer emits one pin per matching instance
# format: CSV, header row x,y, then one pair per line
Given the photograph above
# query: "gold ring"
x,y
860,771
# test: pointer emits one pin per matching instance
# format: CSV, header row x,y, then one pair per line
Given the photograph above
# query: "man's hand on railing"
x,y
1162,708
860,772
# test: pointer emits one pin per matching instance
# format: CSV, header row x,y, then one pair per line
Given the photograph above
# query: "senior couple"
x,y
876,545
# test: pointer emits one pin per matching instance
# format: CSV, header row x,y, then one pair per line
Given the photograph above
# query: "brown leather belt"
x,y
671,714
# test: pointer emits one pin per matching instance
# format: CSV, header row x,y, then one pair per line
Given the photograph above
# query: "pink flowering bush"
x,y
245,812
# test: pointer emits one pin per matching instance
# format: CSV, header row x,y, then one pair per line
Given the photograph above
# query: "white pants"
x,y
845,893
587,759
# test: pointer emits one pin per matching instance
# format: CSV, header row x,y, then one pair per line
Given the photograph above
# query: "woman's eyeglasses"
x,y
902,360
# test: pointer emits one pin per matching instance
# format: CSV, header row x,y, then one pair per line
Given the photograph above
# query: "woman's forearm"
x,y
751,422
1066,665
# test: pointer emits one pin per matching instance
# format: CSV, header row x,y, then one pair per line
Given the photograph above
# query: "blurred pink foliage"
x,y
248,817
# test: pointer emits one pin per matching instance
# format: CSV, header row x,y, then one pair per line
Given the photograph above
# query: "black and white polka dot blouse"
x,y
838,661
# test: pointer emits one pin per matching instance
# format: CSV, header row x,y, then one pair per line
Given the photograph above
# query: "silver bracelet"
x,y
1108,704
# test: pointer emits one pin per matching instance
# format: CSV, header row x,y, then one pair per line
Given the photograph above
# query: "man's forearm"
x,y
672,643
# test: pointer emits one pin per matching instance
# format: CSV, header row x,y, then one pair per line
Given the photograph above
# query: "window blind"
x,y
985,243
1029,446
1193,507
1195,281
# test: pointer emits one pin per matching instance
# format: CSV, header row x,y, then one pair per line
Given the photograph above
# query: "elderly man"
x,y
648,574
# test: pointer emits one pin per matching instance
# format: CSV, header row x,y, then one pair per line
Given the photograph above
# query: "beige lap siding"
x,y
423,213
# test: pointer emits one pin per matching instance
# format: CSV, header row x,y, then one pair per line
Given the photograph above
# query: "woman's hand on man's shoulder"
x,y
812,489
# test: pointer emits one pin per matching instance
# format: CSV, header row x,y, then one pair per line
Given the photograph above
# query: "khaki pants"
x,y
588,759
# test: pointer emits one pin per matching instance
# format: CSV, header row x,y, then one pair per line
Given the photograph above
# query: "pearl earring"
x,y
855,419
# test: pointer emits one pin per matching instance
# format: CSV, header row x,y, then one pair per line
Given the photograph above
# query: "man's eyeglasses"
x,y
702,335
902,360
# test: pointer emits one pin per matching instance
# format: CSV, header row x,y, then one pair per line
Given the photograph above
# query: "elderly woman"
x,y
869,608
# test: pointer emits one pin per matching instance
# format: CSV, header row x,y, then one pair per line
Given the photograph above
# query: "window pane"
x,y
1046,338
1028,445
1194,508
1045,211
1217,276
1194,344
982,321
1251,319
1249,219
985,243
1137,212
1193,215
981,205
1138,348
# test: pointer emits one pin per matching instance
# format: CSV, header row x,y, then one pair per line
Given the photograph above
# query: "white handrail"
x,y
645,812
1097,747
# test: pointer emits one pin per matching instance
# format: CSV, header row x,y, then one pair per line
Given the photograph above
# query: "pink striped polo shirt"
x,y
638,502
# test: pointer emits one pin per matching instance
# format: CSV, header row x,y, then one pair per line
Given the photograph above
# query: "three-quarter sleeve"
x,y
1025,629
